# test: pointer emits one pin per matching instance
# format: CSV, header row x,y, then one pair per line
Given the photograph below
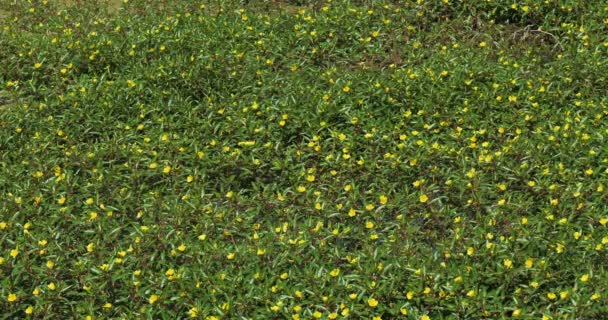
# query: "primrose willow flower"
x,y
352,212
153,299
11,297
372,302
193,312
423,198
383,199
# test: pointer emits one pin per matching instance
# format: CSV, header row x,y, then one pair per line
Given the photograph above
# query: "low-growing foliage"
x,y
260,159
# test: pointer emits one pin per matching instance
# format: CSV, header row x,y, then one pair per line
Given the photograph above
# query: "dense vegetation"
x,y
304,159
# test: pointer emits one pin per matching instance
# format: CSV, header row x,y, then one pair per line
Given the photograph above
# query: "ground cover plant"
x,y
303,159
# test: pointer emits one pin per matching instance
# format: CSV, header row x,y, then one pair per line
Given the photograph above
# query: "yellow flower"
x,y
424,198
508,263
372,302
14,253
335,272
29,310
193,313
11,297
52,286
383,199
37,65
551,296
153,298
167,170
352,212
425,317
585,278
50,264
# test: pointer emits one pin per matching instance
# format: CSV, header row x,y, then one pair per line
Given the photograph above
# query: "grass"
x,y
303,159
